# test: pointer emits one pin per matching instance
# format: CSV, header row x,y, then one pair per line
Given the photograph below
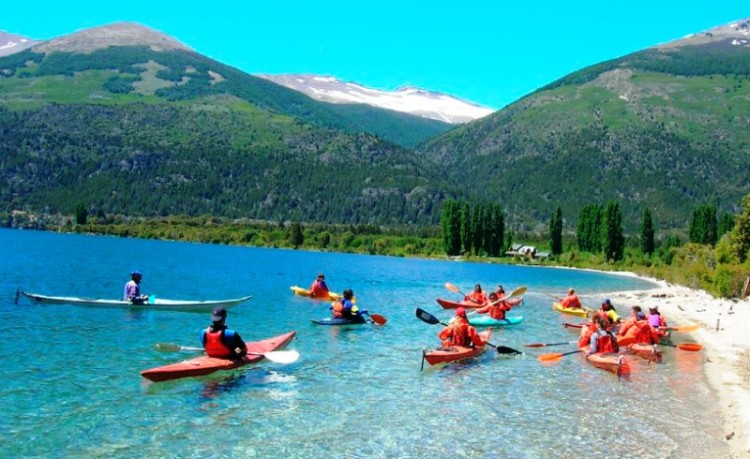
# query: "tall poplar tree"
x,y
647,232
555,232
450,225
589,229
613,242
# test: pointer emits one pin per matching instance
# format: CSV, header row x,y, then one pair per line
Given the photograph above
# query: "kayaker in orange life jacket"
x,y
477,296
496,307
459,332
627,323
220,341
319,288
640,330
571,301
602,340
588,329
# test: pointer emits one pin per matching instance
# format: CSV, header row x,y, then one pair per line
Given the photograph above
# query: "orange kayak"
x,y
205,365
646,351
455,353
610,361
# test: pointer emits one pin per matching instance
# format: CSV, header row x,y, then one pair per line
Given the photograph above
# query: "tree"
x,y
613,242
296,237
466,227
555,232
588,231
450,225
703,227
739,237
726,223
81,214
647,232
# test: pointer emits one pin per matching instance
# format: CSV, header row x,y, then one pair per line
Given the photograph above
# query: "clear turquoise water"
x,y
71,385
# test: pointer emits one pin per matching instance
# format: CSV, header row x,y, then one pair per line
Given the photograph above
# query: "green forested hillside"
x,y
665,129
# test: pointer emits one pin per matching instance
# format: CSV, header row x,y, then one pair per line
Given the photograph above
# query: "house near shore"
x,y
525,251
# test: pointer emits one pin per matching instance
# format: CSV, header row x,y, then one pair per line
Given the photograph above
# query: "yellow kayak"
x,y
578,312
332,296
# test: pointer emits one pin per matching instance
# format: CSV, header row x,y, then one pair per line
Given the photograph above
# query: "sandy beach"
x,y
725,336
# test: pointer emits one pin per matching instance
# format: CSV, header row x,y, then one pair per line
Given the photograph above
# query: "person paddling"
x,y
571,301
220,341
344,308
477,296
132,291
319,288
496,307
608,309
460,333
640,330
602,340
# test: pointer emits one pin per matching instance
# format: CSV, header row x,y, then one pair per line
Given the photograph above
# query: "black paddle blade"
x,y
425,316
507,350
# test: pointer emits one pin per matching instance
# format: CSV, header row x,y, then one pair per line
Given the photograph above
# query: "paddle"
x,y
152,299
553,356
425,316
273,356
550,344
684,328
690,347
376,318
455,289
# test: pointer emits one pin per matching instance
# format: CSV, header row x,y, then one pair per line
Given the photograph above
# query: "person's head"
x,y
460,312
602,322
571,291
635,309
477,288
321,276
640,316
136,276
494,297
348,294
218,316
653,310
500,289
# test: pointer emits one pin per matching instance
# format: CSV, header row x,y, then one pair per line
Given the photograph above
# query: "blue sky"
x,y
488,52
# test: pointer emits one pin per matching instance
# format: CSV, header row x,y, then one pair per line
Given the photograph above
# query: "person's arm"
x,y
593,344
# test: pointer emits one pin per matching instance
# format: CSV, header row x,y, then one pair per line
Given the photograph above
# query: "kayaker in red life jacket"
x,y
459,332
132,290
495,308
319,289
220,341
571,301
602,340
500,292
477,296
641,330
587,330
629,321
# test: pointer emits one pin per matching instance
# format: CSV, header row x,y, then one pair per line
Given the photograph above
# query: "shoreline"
x,y
726,345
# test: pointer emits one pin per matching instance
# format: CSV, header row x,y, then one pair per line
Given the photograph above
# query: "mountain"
x,y
10,43
664,128
126,120
406,99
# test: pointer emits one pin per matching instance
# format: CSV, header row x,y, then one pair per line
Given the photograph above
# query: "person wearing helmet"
x,y
132,290
319,288
460,333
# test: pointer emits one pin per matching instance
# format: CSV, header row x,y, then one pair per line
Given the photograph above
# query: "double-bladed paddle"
x,y
550,344
376,318
273,356
425,316
553,356
684,328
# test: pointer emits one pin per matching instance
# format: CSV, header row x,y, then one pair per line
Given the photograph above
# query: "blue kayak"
x,y
340,321
487,321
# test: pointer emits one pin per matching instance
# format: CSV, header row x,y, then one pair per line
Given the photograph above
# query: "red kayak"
x,y
454,353
448,304
610,361
205,365
647,351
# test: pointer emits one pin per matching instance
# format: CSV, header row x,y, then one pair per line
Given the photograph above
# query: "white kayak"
x,y
154,303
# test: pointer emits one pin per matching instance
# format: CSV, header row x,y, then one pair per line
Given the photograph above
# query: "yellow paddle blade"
x,y
516,292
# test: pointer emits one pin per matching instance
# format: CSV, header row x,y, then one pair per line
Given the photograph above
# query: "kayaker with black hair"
x,y
344,308
132,291
477,296
500,292
220,341
641,330
495,308
319,288
602,340
610,311
629,320
459,332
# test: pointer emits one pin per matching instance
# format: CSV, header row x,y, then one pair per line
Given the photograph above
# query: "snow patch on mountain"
x,y
406,99
10,43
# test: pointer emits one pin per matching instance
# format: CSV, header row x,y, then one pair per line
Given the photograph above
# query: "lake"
x,y
71,384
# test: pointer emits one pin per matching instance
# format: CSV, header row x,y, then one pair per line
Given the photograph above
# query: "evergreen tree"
x,y
647,232
588,231
466,227
613,241
495,230
296,237
555,231
477,229
726,223
81,214
739,237
450,224
703,227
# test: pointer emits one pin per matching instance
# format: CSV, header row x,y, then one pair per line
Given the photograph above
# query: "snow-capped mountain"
x,y
406,99
10,44
735,33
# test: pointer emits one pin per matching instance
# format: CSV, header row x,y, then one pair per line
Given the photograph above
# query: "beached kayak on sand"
x,y
455,353
156,303
448,304
205,365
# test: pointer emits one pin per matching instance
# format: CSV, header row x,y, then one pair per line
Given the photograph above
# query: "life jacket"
x,y
477,297
644,333
605,342
456,334
338,308
571,301
319,289
213,343
584,338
